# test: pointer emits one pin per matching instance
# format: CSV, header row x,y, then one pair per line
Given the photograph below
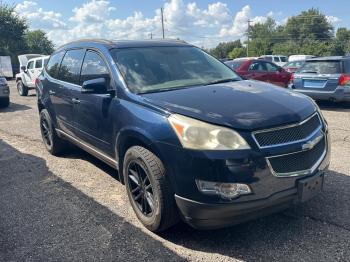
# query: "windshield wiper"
x,y
222,81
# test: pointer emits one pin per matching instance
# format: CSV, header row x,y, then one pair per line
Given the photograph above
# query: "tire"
x,y
53,143
4,102
21,88
154,188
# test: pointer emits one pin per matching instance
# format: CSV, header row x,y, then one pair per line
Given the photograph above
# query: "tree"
x,y
12,29
223,49
286,48
237,52
38,43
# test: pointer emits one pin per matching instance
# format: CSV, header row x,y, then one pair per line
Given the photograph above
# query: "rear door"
x,y
276,75
92,111
68,76
318,75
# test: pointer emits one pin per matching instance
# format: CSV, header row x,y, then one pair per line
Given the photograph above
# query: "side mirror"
x,y
24,68
94,86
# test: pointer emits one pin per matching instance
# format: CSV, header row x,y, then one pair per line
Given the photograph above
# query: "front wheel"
x,y
148,189
21,88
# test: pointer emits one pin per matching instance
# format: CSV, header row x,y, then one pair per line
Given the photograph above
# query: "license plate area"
x,y
310,187
310,83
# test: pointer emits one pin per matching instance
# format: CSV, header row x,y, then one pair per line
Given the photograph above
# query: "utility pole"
x,y
151,35
248,37
161,10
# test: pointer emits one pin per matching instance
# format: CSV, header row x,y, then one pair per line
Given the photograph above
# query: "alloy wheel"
x,y
141,188
46,132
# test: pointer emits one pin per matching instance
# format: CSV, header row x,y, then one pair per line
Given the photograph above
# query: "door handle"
x,y
51,92
75,101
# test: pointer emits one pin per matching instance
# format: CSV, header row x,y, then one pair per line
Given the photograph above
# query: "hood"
x,y
245,105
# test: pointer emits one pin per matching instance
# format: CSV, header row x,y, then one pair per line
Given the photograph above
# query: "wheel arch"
x,y
129,137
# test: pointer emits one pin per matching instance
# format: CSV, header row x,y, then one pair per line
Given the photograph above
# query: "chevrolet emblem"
x,y
311,144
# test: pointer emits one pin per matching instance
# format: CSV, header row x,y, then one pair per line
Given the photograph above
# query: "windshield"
x,y
321,67
155,69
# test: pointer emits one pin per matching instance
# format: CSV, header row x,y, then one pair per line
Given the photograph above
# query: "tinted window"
x,y
347,66
271,67
39,63
322,67
276,59
45,61
153,69
235,64
54,63
30,65
93,67
267,58
283,59
256,66
70,66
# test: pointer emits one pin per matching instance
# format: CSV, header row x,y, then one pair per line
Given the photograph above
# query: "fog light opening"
x,y
224,190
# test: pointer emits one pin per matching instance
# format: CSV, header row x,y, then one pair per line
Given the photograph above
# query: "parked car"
x,y
261,70
293,58
324,78
291,67
4,93
277,59
31,66
189,137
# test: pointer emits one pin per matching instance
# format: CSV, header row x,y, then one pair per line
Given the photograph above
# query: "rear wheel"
x,y
53,143
148,189
21,88
4,102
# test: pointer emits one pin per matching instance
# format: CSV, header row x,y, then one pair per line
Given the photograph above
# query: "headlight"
x,y
195,134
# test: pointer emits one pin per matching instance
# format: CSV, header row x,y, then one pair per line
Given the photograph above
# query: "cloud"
x,y
96,18
333,19
38,18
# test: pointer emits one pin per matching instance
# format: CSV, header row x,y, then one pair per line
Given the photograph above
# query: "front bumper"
x,y
270,192
340,94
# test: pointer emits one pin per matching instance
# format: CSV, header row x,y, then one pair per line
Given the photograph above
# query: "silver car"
x,y
4,93
324,78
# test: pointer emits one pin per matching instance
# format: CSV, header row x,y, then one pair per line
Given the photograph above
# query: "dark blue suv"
x,y
190,139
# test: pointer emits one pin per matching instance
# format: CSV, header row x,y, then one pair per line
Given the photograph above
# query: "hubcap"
x,y
45,130
141,188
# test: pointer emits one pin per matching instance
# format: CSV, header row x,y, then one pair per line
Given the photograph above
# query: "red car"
x,y
260,70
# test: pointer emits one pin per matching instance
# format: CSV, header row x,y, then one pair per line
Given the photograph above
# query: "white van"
x,y
280,60
300,57
31,66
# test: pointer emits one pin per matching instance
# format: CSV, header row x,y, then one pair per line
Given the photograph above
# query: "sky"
x,y
204,23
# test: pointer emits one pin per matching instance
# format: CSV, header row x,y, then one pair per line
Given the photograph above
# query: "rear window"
x,y
322,67
235,64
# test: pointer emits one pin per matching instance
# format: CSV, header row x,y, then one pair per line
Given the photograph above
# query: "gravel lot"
x,y
74,208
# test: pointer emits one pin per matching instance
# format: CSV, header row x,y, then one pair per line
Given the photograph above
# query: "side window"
x,y
256,66
268,58
45,61
271,67
30,65
54,63
347,66
70,66
276,59
94,67
38,63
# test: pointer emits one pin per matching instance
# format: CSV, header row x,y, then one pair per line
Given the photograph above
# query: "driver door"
x,y
29,75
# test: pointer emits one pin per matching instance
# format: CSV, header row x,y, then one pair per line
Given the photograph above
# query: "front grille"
x,y
299,162
288,134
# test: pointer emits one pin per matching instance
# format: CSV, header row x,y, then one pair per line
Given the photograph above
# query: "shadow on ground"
x,y
334,106
14,107
44,218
